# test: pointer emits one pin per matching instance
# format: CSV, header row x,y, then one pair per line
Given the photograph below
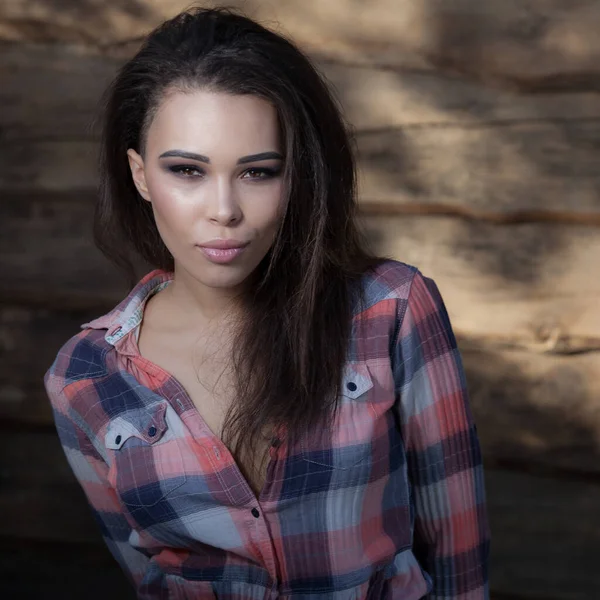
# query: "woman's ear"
x,y
136,164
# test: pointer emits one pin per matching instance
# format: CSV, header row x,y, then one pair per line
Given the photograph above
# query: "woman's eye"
x,y
186,170
260,173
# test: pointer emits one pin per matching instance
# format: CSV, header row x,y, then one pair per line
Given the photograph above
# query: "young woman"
x,y
272,412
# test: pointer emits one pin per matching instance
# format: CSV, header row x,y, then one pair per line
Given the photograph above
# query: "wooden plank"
x,y
530,409
484,172
532,285
33,166
376,98
47,252
52,91
538,547
534,44
536,410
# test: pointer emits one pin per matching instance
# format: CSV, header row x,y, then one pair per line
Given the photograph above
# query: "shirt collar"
x,y
129,312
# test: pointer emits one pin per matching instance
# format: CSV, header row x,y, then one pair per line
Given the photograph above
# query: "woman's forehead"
x,y
208,122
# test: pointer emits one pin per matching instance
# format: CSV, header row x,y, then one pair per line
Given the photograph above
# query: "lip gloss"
x,y
221,255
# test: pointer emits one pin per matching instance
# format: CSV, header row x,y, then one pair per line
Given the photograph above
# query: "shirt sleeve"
x,y
451,532
91,471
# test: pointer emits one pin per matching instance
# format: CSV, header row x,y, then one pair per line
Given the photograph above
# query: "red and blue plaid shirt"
x,y
388,504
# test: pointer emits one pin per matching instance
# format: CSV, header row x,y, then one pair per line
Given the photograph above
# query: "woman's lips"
x,y
221,255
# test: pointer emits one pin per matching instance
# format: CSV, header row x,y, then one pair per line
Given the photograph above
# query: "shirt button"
x,y
351,386
118,439
276,442
255,513
152,431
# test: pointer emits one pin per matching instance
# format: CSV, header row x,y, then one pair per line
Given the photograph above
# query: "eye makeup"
x,y
188,171
261,173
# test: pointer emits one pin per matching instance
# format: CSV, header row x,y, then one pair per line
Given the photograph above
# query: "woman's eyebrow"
x,y
204,159
260,156
184,154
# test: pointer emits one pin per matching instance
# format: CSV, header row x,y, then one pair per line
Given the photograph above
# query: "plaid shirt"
x,y
388,504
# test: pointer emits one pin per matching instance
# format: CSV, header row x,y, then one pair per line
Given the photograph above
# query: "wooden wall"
x,y
478,132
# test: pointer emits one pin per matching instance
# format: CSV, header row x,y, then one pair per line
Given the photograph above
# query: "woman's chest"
x,y
201,369
208,382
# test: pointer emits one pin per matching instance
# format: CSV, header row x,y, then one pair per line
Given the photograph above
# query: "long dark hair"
x,y
292,342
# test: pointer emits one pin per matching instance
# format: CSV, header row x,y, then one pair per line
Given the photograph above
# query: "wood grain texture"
x,y
53,91
531,44
536,412
548,167
532,285
47,254
33,166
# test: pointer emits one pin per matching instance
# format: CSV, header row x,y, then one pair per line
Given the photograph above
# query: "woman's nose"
x,y
223,205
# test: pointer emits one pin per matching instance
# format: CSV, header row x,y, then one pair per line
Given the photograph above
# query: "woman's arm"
x,y
451,534
91,472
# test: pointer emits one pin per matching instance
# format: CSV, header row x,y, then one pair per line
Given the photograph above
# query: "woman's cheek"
x,y
173,207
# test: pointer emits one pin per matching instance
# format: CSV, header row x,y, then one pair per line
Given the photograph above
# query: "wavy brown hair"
x,y
292,342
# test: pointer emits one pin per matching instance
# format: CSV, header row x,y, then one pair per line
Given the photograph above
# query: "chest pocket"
x,y
350,440
147,463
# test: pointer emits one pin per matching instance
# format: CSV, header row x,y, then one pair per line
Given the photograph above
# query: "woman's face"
x,y
212,170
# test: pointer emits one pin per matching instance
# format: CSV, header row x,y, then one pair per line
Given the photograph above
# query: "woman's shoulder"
x,y
80,357
392,288
390,279
83,355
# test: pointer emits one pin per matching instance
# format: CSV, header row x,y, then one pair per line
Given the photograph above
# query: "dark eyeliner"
x,y
179,170
269,172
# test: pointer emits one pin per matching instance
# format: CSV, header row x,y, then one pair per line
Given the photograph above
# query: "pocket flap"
x,y
147,424
356,380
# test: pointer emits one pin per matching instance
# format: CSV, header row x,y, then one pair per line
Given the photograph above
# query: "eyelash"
x,y
265,172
